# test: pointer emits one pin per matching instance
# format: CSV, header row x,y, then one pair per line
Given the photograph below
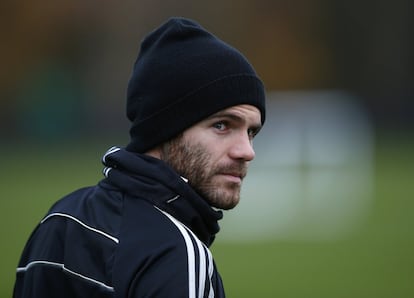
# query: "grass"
x,y
376,261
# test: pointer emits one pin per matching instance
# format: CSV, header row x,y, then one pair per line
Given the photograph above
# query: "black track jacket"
x,y
141,232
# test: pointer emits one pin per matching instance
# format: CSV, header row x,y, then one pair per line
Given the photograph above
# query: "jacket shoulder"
x,y
72,247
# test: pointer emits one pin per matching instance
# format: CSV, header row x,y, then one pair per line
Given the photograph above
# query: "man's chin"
x,y
223,195
225,200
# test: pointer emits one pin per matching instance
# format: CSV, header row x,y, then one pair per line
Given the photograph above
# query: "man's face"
x,y
214,154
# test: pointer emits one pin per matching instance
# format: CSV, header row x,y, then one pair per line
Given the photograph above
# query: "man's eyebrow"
x,y
226,115
256,126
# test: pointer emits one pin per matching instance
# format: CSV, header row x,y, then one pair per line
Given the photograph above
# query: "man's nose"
x,y
242,148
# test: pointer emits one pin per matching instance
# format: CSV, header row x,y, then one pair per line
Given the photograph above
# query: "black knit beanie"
x,y
182,75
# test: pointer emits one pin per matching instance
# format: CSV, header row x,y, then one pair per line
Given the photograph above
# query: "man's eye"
x,y
220,125
252,133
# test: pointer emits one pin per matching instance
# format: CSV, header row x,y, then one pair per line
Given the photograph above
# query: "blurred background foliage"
x,y
79,54
65,68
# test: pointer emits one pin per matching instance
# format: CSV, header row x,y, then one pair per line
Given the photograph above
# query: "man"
x,y
195,104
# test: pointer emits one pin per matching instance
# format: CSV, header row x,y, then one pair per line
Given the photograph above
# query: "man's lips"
x,y
234,177
233,173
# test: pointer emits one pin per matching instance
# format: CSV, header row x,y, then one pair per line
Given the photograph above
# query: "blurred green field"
x,y
377,260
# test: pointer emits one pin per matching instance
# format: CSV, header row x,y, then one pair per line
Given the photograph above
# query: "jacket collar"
x,y
145,177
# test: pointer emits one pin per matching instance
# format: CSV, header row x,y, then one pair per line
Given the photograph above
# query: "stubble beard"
x,y
192,162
